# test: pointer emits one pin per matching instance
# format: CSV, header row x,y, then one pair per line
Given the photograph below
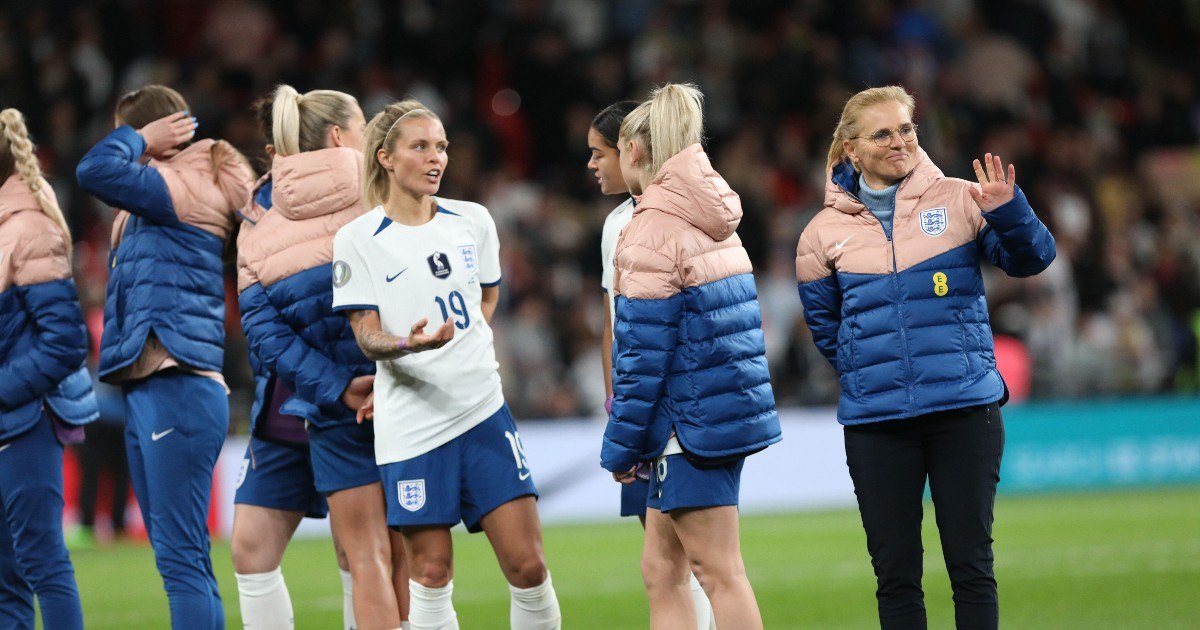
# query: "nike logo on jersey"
x,y
843,243
390,278
158,436
4,448
523,475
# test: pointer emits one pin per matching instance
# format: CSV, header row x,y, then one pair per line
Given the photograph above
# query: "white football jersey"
x,y
613,224
435,271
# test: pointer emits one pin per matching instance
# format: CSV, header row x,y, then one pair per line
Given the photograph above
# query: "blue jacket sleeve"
x,y
59,348
1015,240
112,171
645,337
822,301
312,375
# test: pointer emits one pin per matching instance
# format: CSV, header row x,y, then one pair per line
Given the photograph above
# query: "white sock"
x,y
264,600
404,625
535,608
705,620
348,622
431,608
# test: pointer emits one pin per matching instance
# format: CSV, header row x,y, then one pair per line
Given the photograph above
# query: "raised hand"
x,y
418,341
164,135
995,185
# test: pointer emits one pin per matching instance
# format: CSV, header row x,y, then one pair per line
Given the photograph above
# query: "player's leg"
x,y
666,573
343,465
31,465
887,466
430,555
260,536
499,497
701,504
964,450
179,448
357,518
400,574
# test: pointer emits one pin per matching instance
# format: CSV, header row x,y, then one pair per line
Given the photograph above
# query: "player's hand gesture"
x,y
995,185
357,390
164,135
367,411
418,341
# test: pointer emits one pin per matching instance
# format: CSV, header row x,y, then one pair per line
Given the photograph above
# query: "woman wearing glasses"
x,y
892,290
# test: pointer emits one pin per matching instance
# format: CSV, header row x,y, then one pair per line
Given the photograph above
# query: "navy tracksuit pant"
x,y
959,452
175,426
33,557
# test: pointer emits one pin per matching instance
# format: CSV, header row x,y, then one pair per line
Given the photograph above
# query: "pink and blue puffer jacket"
x,y
285,256
902,317
690,358
165,275
44,341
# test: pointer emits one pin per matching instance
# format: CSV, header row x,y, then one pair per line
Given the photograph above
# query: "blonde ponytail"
x,y
285,114
25,164
848,125
381,133
671,121
300,121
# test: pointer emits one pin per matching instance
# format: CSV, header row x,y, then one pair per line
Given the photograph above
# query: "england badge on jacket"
x,y
933,221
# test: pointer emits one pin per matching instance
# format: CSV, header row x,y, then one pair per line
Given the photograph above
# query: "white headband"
x,y
406,115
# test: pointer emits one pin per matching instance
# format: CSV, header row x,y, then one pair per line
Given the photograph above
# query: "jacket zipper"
x,y
896,288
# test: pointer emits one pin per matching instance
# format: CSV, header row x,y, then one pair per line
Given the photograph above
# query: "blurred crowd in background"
x,y
1097,103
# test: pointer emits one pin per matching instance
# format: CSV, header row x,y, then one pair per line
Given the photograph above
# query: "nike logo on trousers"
x,y
158,436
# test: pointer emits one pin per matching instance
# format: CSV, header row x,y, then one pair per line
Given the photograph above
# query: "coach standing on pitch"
x,y
892,290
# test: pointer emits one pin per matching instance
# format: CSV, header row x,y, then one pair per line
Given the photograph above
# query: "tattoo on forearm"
x,y
376,345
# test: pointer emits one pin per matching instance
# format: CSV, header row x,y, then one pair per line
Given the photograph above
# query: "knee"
x,y
429,572
659,572
527,572
715,573
253,554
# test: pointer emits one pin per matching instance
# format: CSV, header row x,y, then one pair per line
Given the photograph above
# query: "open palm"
x,y
995,184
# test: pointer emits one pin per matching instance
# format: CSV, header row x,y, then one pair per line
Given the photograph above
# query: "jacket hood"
x,y
689,188
15,197
316,183
232,177
841,189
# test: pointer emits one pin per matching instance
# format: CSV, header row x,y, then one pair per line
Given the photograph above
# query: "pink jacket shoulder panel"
x,y
846,237
204,198
33,249
682,233
313,195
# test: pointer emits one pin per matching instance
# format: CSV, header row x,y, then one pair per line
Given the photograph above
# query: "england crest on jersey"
x,y
469,258
933,221
411,494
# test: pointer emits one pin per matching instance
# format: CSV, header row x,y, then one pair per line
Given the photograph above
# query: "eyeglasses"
x,y
883,137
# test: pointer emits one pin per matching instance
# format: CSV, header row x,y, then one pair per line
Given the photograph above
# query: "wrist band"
x,y
403,345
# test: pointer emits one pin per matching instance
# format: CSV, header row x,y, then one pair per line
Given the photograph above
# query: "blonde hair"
x,y
17,156
299,122
848,125
381,134
671,121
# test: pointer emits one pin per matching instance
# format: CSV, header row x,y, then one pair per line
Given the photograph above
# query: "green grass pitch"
x,y
1123,560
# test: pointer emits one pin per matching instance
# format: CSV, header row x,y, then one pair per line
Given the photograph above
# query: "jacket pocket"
x,y
848,357
964,344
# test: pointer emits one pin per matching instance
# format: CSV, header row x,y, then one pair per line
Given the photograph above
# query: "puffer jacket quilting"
x,y
285,254
690,357
905,321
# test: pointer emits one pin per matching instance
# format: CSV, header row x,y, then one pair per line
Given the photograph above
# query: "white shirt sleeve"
x,y
352,286
489,251
608,243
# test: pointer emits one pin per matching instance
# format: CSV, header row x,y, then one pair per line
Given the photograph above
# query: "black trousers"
x,y
103,450
959,452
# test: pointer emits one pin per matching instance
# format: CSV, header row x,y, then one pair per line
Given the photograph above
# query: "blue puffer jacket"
x,y
168,239
902,317
286,289
44,339
690,358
